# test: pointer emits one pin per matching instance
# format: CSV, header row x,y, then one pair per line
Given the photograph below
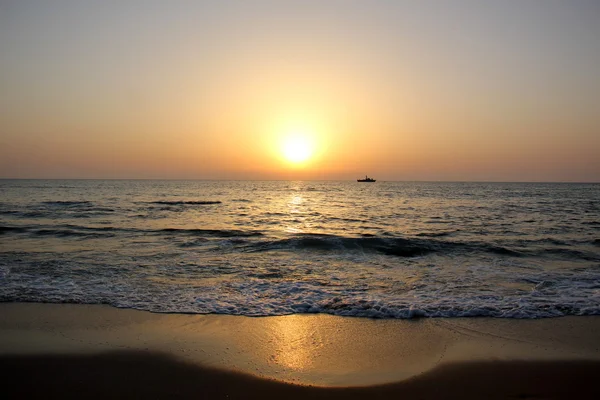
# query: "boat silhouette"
x,y
367,179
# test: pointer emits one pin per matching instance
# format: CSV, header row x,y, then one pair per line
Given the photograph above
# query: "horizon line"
x,y
290,180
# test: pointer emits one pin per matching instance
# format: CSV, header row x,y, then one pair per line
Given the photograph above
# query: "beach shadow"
x,y
131,375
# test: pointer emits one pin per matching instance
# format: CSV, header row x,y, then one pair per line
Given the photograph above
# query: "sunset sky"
x,y
399,90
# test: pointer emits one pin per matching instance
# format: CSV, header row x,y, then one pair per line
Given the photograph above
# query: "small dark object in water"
x,y
367,179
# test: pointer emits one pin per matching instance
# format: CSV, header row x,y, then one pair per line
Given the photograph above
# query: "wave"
x,y
571,253
500,250
70,212
399,247
385,243
66,233
211,232
10,212
417,246
269,293
109,231
594,223
436,234
360,309
50,187
11,229
67,203
178,202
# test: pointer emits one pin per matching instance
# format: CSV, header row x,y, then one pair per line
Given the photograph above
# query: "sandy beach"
x,y
85,351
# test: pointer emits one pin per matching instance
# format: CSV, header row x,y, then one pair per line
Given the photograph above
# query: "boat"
x,y
367,179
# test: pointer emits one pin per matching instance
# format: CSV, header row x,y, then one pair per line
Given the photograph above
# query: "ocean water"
x,y
385,249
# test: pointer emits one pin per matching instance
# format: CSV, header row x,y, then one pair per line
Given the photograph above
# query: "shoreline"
x,y
294,355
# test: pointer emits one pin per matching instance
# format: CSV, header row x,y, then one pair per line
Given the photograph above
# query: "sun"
x,y
297,148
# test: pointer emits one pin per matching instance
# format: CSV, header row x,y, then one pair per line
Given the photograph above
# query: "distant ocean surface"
x,y
384,249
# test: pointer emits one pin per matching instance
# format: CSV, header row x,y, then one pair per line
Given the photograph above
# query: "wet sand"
x,y
71,351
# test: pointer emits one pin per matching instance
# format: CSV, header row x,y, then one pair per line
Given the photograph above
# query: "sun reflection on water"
x,y
295,204
296,223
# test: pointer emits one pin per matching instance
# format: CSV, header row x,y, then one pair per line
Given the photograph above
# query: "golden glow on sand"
x,y
295,342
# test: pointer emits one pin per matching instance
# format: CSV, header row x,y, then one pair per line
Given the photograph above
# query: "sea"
x,y
260,248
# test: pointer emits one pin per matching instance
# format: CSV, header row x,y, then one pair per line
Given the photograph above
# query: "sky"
x,y
399,90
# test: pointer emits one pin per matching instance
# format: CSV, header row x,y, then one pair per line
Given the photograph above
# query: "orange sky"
x,y
455,90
